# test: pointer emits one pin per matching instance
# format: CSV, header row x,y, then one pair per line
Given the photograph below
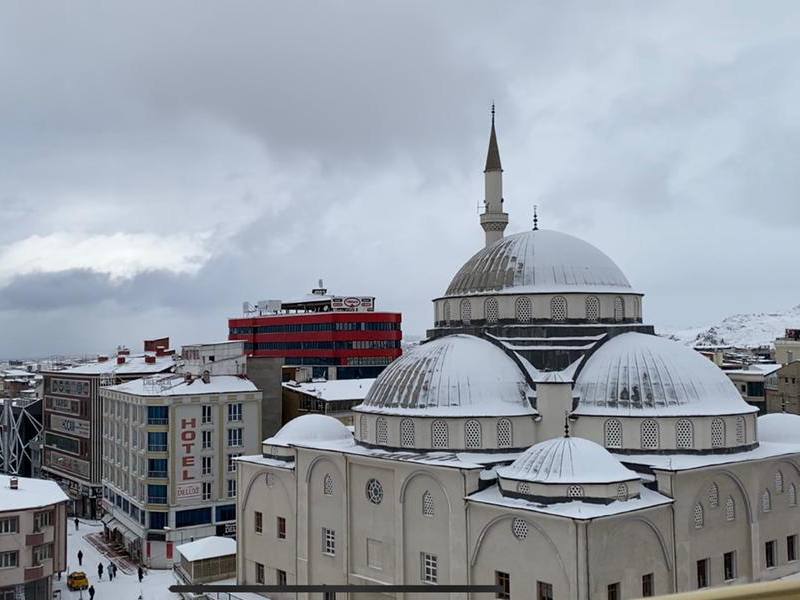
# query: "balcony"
x,y
156,500
34,539
34,573
157,474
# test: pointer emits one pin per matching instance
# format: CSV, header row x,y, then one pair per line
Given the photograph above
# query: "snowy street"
x,y
125,585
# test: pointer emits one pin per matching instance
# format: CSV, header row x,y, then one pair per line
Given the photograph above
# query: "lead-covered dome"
x,y
779,428
539,261
310,428
456,375
636,374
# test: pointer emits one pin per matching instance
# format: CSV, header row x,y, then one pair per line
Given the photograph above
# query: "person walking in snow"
x,y
91,592
80,558
100,571
76,523
113,566
141,574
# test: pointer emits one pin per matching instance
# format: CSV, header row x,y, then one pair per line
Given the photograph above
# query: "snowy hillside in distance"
x,y
743,331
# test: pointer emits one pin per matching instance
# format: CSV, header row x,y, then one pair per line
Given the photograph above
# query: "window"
x,y
619,309
702,573
574,491
730,509
328,541
328,595
717,433
381,431
42,553
472,434
280,528
466,311
792,494
766,501
490,310
42,520
327,485
226,512
649,433
363,427
157,494
648,588
504,435
232,461
544,591
523,310
698,516
231,488
519,527
206,490
729,566
427,504
503,580
592,309
206,416
259,573
157,415
429,568
769,554
258,521
613,435
791,548
157,468
778,482
156,441
192,517
613,592
206,440
446,311
235,412
439,435
234,438
280,576
158,520
684,434
205,462
741,431
9,525
713,495
374,491
406,433
9,559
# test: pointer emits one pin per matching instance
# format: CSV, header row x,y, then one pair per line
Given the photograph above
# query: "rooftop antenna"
x,y
536,217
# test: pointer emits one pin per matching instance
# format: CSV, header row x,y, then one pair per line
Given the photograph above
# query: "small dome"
x,y
455,375
638,374
539,261
779,428
567,460
310,428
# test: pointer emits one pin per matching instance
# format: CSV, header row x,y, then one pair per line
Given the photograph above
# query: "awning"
x,y
127,534
106,519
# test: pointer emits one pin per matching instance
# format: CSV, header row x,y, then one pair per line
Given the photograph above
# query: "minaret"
x,y
493,219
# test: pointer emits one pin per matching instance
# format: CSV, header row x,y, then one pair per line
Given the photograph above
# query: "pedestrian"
x,y
91,592
80,558
100,571
141,573
113,568
76,523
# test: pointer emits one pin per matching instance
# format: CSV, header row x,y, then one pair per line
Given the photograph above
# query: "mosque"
x,y
542,439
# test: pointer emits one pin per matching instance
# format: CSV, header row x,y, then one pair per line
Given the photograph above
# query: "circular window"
x,y
519,527
374,491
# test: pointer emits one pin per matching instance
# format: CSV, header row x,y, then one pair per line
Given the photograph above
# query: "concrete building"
x,y
73,420
750,379
782,389
169,444
787,348
334,398
33,537
634,469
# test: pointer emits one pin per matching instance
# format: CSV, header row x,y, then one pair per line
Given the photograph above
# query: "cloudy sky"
x,y
162,162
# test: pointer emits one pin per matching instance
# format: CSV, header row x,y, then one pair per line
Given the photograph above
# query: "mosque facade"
x,y
541,439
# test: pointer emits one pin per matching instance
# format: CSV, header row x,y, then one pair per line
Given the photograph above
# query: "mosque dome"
x,y
310,428
539,261
636,374
456,375
779,428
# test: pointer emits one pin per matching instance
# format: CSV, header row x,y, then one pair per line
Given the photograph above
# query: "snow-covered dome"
x,y
310,428
780,428
567,460
539,261
456,375
637,374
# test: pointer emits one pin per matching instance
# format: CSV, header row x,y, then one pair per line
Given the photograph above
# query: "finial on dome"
x,y
535,217
566,423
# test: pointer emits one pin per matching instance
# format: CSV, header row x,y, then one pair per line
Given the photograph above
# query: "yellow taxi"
x,y
77,580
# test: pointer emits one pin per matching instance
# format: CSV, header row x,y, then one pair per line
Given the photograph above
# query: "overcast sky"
x,y
162,162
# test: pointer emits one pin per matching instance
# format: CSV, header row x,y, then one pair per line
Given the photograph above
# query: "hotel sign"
x,y
188,487
70,426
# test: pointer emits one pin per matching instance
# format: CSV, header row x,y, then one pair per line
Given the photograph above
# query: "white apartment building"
x,y
169,474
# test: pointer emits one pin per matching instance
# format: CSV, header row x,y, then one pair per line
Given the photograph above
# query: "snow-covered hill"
x,y
743,331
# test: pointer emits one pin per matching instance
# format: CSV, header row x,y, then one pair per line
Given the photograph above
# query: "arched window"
x,y
766,501
439,435
619,308
472,434
523,310
592,309
558,308
713,495
364,428
622,491
730,509
446,311
327,485
406,433
427,504
505,438
792,494
613,436
637,307
650,434
698,516
574,491
466,311
741,431
778,482
684,434
491,312
717,433
381,431
523,487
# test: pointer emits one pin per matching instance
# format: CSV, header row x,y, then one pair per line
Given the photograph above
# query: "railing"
x,y
157,474
156,448
158,420
156,499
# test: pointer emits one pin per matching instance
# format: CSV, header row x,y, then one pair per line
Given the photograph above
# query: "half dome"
x,y
779,428
636,374
456,375
539,261
310,428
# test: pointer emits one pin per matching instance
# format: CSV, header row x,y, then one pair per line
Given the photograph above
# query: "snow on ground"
x,y
124,587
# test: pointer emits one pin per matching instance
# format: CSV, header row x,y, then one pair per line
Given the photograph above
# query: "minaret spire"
x,y
493,219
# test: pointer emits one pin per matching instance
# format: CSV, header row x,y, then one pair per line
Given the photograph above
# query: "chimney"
x,y
124,351
13,482
121,359
149,359
102,358
161,351
206,377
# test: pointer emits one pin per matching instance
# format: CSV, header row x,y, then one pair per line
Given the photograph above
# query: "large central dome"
x,y
539,261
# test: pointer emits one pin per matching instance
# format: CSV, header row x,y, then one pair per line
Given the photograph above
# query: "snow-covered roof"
x,y
174,384
134,364
30,493
455,375
210,547
311,428
685,462
539,261
781,428
761,369
566,460
333,390
638,374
